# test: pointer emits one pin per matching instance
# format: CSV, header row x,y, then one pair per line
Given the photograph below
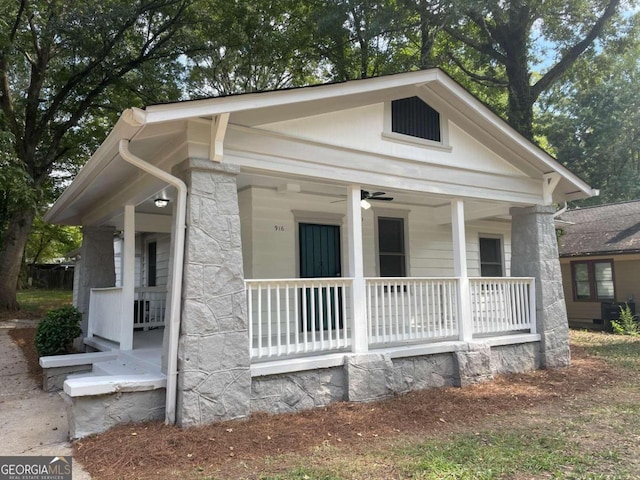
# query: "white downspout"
x,y
176,276
561,211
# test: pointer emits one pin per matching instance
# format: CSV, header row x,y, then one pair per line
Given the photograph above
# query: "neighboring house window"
x,y
491,257
391,247
411,116
152,248
593,280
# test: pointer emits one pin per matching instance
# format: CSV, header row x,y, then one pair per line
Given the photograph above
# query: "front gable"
x,y
339,133
368,129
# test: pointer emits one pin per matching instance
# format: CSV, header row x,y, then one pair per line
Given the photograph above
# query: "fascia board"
x,y
125,128
487,117
236,103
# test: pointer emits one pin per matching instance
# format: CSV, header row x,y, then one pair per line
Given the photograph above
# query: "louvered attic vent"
x,y
411,116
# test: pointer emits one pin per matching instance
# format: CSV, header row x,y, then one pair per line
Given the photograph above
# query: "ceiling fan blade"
x,y
376,194
386,199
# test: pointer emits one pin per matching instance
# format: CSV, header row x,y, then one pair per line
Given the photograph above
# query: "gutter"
x,y
176,274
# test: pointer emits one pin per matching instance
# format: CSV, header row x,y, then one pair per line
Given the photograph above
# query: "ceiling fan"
x,y
365,196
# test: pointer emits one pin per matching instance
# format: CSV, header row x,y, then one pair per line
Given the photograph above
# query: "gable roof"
x,y
151,130
603,229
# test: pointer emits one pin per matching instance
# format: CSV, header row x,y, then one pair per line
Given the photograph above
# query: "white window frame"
x,y
492,236
392,213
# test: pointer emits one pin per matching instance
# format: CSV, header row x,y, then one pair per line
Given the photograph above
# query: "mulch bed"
x,y
153,450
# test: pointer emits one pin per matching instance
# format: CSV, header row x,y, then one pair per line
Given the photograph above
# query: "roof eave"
x,y
550,164
127,126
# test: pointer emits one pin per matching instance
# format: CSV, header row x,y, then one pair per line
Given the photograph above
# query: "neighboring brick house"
x,y
600,261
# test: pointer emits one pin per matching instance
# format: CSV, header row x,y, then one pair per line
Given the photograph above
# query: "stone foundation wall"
x,y
520,358
297,391
419,373
53,378
98,413
373,376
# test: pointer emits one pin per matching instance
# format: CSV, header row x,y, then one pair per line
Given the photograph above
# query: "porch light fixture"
x,y
364,204
161,202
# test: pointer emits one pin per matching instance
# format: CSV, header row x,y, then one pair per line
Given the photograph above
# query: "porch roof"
x,y
159,129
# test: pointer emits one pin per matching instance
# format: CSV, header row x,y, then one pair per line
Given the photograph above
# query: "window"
x,y
411,116
593,280
151,262
491,257
391,249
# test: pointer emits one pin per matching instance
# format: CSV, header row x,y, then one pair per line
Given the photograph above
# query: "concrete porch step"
x,y
118,367
104,384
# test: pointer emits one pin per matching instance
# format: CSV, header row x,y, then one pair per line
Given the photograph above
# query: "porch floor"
x,y
142,339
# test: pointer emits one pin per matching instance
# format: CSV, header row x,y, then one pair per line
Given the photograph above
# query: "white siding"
x,y
270,236
361,129
117,260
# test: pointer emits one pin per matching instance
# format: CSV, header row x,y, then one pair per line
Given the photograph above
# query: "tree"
x,y
504,38
49,242
592,121
251,46
425,21
64,67
355,38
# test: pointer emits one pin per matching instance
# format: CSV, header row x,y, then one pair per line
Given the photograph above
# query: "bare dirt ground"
x,y
265,444
32,422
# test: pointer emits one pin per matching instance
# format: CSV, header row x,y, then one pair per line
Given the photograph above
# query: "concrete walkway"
x,y
32,422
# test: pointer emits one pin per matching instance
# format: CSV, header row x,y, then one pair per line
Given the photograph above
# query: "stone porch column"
x,y
97,267
534,253
214,380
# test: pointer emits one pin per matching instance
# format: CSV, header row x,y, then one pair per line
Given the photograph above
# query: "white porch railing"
x,y
149,307
104,313
411,309
297,316
293,317
502,305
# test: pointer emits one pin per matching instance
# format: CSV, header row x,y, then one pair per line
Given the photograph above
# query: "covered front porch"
x,y
317,312
399,312
314,249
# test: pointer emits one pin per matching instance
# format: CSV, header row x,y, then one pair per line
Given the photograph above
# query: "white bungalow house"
x,y
347,241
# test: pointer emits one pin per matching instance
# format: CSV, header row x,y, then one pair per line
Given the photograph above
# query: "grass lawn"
x,y
595,435
35,303
581,422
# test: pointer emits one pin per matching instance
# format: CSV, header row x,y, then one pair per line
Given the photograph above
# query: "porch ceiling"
x,y
335,192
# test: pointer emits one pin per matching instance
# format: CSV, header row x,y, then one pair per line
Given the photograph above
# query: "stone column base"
x,y
369,377
472,365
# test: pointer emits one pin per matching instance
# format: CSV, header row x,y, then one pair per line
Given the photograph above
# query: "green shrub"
x,y
57,331
627,323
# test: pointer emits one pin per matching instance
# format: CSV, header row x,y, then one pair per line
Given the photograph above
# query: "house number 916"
x,y
278,228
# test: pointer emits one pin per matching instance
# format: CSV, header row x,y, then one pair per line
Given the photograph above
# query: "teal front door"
x,y
320,257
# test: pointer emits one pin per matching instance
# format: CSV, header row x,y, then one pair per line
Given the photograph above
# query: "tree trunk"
x,y
11,250
520,106
521,97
